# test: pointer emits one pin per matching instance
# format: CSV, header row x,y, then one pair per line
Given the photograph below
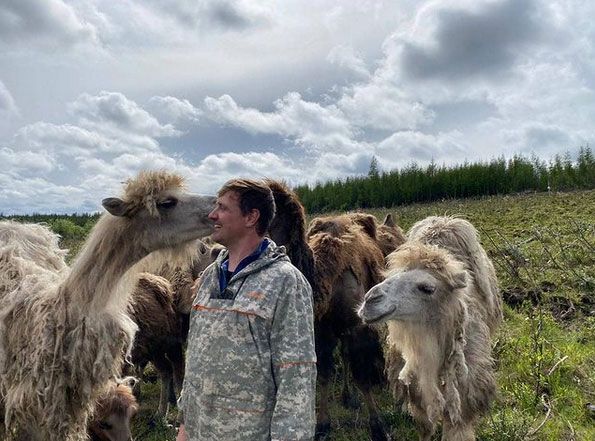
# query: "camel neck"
x,y
96,275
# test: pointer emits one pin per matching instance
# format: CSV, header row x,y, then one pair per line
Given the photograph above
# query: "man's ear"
x,y
252,217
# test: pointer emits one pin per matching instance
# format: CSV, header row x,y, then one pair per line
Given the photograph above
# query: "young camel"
x,y
442,304
341,261
114,411
63,333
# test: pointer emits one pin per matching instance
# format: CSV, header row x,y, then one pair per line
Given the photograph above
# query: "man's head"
x,y
243,206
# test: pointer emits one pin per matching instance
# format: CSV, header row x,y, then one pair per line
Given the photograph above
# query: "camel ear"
x,y
388,220
116,207
459,280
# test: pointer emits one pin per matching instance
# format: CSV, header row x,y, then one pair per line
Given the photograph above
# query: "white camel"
x,y
442,304
64,333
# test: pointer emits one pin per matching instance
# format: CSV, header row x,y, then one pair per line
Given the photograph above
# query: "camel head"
x,y
421,281
390,236
156,206
114,412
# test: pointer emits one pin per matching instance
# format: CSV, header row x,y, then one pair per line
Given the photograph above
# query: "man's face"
x,y
229,222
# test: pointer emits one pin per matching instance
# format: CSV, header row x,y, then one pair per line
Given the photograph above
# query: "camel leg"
x,y
367,364
176,358
171,393
166,381
325,345
425,427
459,432
165,370
349,396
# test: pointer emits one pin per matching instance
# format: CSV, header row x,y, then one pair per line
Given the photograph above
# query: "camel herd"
x,y
68,334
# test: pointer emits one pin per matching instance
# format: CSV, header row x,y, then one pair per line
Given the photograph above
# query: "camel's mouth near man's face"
x,y
370,316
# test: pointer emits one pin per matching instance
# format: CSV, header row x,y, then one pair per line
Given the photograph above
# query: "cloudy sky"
x,y
93,91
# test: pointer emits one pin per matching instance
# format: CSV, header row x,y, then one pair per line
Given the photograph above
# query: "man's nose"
x,y
212,214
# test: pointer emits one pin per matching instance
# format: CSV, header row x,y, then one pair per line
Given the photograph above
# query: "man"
x,y
250,364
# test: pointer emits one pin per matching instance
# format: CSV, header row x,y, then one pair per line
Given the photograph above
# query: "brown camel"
x,y
159,337
114,411
388,235
64,332
341,261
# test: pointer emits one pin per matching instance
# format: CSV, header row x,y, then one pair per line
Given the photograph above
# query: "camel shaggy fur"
x,y
159,338
63,333
340,260
442,304
114,411
388,235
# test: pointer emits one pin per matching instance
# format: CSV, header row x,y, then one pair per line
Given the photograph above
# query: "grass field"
x,y
543,247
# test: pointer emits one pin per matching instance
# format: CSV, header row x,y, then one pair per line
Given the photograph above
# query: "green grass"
x,y
542,246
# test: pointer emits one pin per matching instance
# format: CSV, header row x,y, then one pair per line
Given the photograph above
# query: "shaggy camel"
x,y
388,235
63,332
442,304
159,337
340,265
114,411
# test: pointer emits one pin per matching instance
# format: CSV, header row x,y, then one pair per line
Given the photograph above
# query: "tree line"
x,y
69,226
414,183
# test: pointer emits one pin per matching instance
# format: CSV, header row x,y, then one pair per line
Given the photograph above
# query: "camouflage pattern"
x,y
251,364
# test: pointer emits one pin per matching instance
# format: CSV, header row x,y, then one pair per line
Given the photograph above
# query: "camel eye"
x,y
104,425
426,289
167,204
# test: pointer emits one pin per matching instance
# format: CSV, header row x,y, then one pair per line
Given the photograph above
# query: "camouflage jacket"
x,y
250,363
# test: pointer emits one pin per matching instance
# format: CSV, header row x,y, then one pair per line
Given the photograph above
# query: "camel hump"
x,y
366,221
159,287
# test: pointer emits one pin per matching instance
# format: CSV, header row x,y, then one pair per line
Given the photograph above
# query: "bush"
x,y
67,229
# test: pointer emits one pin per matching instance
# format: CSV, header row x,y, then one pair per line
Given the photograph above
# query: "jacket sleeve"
x,y
294,362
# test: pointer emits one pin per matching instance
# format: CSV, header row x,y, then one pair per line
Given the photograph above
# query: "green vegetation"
x,y
433,183
543,247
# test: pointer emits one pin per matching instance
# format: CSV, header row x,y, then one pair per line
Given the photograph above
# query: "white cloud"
x,y
72,140
49,24
308,123
26,161
402,148
383,106
174,110
346,57
7,104
39,195
113,111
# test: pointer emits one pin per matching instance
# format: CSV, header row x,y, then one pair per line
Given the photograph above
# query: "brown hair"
x,y
253,194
